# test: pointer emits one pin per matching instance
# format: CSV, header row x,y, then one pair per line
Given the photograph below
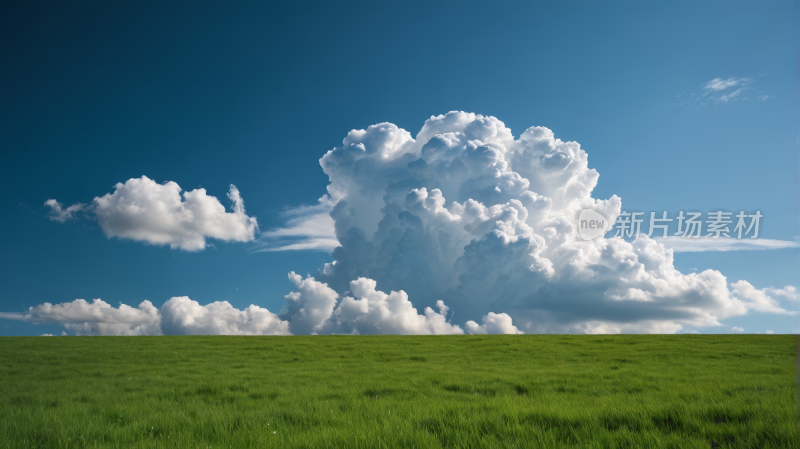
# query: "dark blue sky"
x,y
253,94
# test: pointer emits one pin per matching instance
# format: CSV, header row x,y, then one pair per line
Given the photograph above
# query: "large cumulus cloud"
x,y
146,211
466,213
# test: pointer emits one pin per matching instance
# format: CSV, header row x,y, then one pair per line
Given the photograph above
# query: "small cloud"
x,y
493,323
730,96
769,332
788,292
762,300
159,214
765,97
47,335
737,329
59,214
718,84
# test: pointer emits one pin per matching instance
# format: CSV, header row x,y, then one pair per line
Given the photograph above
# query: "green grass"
x,y
681,391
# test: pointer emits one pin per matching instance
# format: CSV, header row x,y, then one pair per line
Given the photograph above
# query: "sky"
x,y
119,112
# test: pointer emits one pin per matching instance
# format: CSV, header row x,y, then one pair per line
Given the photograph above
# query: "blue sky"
x,y
208,95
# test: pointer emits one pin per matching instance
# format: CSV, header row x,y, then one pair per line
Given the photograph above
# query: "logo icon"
x,y
592,224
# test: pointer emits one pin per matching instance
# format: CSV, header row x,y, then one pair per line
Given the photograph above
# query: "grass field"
x,y
681,391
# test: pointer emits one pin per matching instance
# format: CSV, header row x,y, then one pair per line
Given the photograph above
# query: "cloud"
x,y
313,308
178,316
730,96
718,84
765,97
158,214
59,214
310,306
468,214
716,89
370,311
760,300
463,214
703,244
183,316
788,292
96,318
769,332
146,211
737,329
307,228
493,323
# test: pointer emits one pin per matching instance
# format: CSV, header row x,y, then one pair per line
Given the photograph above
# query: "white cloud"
x,y
788,292
716,89
97,318
183,316
769,332
730,96
464,214
718,84
467,214
310,309
374,312
682,245
493,323
759,300
737,329
307,228
59,214
178,316
765,97
146,211
47,335
310,306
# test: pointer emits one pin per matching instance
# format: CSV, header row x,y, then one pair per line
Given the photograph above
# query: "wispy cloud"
x,y
719,90
718,84
307,228
684,245
730,96
59,214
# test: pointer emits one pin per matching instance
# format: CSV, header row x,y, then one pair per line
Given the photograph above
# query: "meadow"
x,y
515,391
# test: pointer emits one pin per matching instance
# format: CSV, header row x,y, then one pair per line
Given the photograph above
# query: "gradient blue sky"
x,y
254,94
